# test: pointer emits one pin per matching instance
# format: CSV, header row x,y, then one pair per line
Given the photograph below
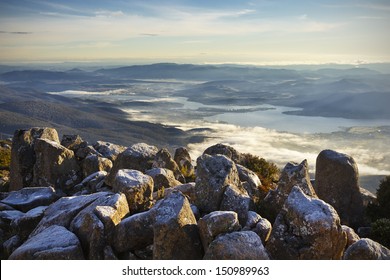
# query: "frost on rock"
x,y
214,174
306,228
292,175
137,187
367,249
176,234
215,223
53,243
242,245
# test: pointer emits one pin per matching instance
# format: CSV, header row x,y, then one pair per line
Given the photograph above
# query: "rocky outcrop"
x,y
214,174
306,228
367,249
292,175
23,155
176,234
337,183
138,157
53,243
244,245
72,208
55,165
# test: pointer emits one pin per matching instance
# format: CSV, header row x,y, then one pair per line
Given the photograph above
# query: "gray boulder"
x,y
236,199
134,232
252,184
72,142
26,223
163,178
29,198
263,229
214,174
164,159
95,225
54,243
23,155
292,175
243,245
337,183
94,163
222,149
138,157
216,223
252,220
352,236
55,165
109,150
367,249
306,228
137,187
63,211
176,234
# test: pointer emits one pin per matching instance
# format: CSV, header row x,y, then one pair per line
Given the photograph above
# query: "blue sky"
x,y
202,31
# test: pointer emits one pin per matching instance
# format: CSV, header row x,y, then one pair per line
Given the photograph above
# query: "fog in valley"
x,y
279,114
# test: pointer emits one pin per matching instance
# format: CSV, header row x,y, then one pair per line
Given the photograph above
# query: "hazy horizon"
x,y
258,32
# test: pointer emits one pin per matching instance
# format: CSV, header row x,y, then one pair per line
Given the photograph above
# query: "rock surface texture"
x,y
74,201
337,183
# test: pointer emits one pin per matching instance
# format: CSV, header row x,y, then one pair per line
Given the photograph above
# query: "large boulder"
x,y
95,225
214,174
72,142
176,234
337,183
292,175
306,228
252,184
137,187
222,149
216,223
94,163
134,232
183,159
367,249
63,211
25,224
109,150
236,199
164,159
263,229
138,157
163,178
352,236
243,245
23,155
54,243
29,198
55,165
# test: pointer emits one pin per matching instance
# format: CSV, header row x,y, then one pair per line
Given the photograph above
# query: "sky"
x,y
195,31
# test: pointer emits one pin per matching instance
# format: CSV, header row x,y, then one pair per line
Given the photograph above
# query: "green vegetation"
x,y
268,172
5,154
381,231
380,213
381,209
